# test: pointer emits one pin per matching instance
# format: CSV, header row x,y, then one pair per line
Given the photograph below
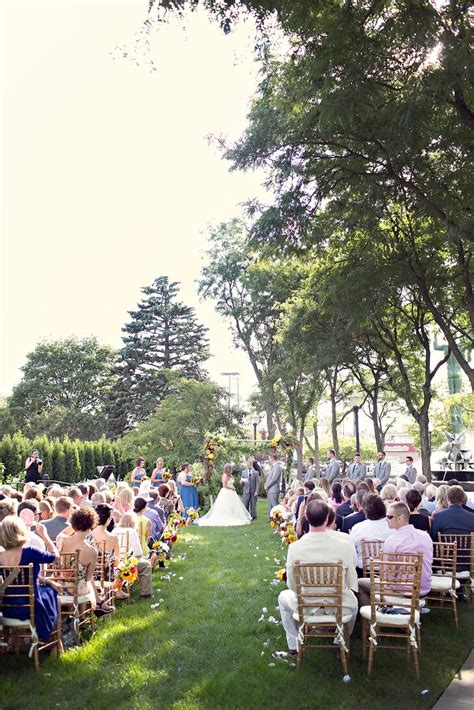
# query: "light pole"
x,y
355,409
230,375
255,421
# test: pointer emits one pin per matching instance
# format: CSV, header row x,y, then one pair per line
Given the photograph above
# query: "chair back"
x,y
445,560
464,551
65,570
371,550
18,596
319,587
124,542
395,580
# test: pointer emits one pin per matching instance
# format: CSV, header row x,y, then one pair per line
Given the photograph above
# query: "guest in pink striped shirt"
x,y
410,540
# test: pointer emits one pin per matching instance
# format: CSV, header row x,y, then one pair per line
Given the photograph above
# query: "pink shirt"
x,y
409,539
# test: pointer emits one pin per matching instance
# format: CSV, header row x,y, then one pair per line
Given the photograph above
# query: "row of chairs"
x,y
395,582
76,604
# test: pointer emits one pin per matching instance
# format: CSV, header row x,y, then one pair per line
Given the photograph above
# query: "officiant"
x,y
250,480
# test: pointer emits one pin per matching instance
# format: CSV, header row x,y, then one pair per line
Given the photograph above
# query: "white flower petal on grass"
x,y
181,578
267,558
262,618
271,665
264,609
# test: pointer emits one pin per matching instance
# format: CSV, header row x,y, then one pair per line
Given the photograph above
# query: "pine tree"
x,y
162,337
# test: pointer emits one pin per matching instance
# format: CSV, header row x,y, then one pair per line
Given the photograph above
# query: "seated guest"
x,y
316,546
149,525
46,510
83,521
85,502
33,493
28,511
124,500
293,498
337,498
375,527
15,551
428,502
153,504
389,494
302,524
76,496
358,516
454,520
128,523
331,530
97,498
348,490
466,506
100,534
165,500
413,501
441,499
60,522
8,506
326,487
175,497
405,539
309,486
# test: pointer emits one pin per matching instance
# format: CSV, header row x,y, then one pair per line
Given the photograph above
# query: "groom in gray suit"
x,y
250,480
382,469
272,484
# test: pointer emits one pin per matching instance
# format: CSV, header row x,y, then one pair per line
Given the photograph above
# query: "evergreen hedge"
x,y
63,460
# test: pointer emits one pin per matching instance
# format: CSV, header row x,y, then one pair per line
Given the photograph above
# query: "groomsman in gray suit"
x,y
410,473
272,484
382,469
357,470
311,471
332,467
250,480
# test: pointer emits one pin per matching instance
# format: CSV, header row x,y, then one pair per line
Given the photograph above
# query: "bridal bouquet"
x,y
126,572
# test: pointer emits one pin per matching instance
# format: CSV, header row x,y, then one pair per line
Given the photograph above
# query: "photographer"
x,y
33,467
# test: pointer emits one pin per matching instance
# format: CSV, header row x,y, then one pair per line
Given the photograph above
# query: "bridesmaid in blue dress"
x,y
187,491
157,475
14,538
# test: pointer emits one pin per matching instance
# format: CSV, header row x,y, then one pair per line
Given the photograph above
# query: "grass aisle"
x,y
204,648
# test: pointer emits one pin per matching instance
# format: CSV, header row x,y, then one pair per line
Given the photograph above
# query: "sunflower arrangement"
x,y
211,446
162,550
126,572
176,521
192,513
280,574
169,534
166,475
287,532
197,480
276,519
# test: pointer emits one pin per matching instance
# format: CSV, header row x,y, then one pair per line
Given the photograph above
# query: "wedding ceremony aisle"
x,y
201,642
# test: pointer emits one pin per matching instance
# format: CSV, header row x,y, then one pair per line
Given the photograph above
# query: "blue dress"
x,y
46,598
188,494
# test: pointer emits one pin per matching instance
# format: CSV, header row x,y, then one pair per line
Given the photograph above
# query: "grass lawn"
x,y
203,647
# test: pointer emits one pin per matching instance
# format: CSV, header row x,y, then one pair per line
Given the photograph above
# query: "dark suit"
x,y
453,521
342,511
350,520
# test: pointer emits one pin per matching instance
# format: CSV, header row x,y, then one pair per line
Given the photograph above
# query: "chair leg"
x,y
415,659
455,612
371,659
36,658
344,662
299,657
364,639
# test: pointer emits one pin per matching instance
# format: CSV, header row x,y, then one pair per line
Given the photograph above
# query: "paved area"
x,y
459,695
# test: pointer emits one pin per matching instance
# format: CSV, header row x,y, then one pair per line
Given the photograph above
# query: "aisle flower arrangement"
x,y
162,550
192,514
126,572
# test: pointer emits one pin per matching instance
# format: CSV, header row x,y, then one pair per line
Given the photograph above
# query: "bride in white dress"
x,y
227,510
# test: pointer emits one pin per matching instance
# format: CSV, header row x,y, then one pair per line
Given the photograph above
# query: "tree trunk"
x,y
378,432
317,457
425,445
299,457
335,438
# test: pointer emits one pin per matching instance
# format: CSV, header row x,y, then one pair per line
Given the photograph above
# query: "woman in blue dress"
x,y
13,538
187,490
157,475
138,473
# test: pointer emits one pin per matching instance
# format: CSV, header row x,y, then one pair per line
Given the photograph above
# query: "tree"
x,y
162,336
177,430
64,388
249,292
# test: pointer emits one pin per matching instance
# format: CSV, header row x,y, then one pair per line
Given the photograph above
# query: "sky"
x,y
108,178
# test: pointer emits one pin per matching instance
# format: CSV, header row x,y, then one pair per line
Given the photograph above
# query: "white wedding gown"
x,y
226,511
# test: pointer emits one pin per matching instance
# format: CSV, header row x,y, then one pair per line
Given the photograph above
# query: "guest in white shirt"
x,y
374,527
128,523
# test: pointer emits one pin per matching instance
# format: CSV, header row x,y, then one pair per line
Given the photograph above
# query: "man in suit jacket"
x,y
357,470
382,469
311,471
332,467
250,480
454,520
410,472
357,501
317,546
272,483
348,490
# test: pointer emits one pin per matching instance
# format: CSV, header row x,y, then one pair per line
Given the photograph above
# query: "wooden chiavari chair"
x,y
465,559
444,584
75,601
371,550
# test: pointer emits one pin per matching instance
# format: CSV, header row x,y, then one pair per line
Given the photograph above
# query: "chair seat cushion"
x,y
402,601
81,599
17,623
322,618
442,584
463,575
388,619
